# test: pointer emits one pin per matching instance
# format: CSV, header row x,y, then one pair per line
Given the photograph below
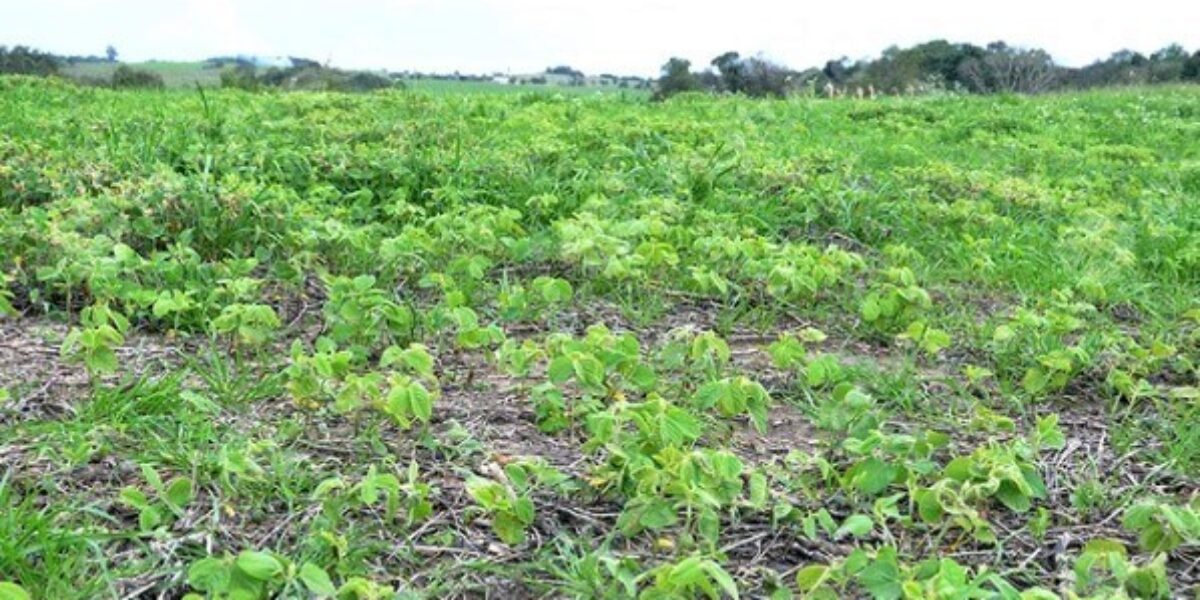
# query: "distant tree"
x,y
942,60
896,68
1191,69
1007,69
126,76
110,52
753,76
1123,67
298,61
1173,52
1127,67
677,77
933,64
709,80
1133,59
839,71
565,70
731,70
936,64
808,81
1166,65
761,78
21,60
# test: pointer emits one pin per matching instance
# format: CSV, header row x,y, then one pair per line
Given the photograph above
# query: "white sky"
x,y
620,36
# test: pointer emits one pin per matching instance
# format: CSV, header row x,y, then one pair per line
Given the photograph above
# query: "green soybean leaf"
x,y
12,591
317,580
855,525
259,565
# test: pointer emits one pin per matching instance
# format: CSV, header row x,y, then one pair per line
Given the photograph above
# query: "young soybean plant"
x,y
508,496
6,296
361,317
247,325
170,498
733,396
789,353
896,301
693,577
510,506
1163,526
102,329
257,575
408,497
1105,570
408,399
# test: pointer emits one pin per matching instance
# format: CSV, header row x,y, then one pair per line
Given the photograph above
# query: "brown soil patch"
x,y
46,385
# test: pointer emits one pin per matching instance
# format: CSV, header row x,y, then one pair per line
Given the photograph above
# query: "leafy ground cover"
x,y
529,345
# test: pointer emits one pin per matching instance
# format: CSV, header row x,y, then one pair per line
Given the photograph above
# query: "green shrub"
x,y
242,77
126,77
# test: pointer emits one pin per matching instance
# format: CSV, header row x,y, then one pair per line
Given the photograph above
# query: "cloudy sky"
x,y
621,36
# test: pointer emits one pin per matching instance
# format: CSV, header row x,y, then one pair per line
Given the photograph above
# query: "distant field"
x,y
174,74
487,87
188,74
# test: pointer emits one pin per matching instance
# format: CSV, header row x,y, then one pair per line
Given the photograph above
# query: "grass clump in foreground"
x,y
415,345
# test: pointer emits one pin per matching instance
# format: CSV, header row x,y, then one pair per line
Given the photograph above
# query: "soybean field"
x,y
533,345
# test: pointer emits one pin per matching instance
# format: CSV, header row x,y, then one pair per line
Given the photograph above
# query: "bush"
x,y
363,81
242,76
128,77
312,79
308,77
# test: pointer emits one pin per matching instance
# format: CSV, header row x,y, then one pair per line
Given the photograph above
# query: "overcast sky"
x,y
620,36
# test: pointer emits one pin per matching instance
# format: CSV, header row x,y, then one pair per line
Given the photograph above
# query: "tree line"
x,y
303,74
933,66
22,60
236,72
937,65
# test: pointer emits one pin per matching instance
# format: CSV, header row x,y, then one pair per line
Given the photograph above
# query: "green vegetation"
x,y
128,77
303,75
414,344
